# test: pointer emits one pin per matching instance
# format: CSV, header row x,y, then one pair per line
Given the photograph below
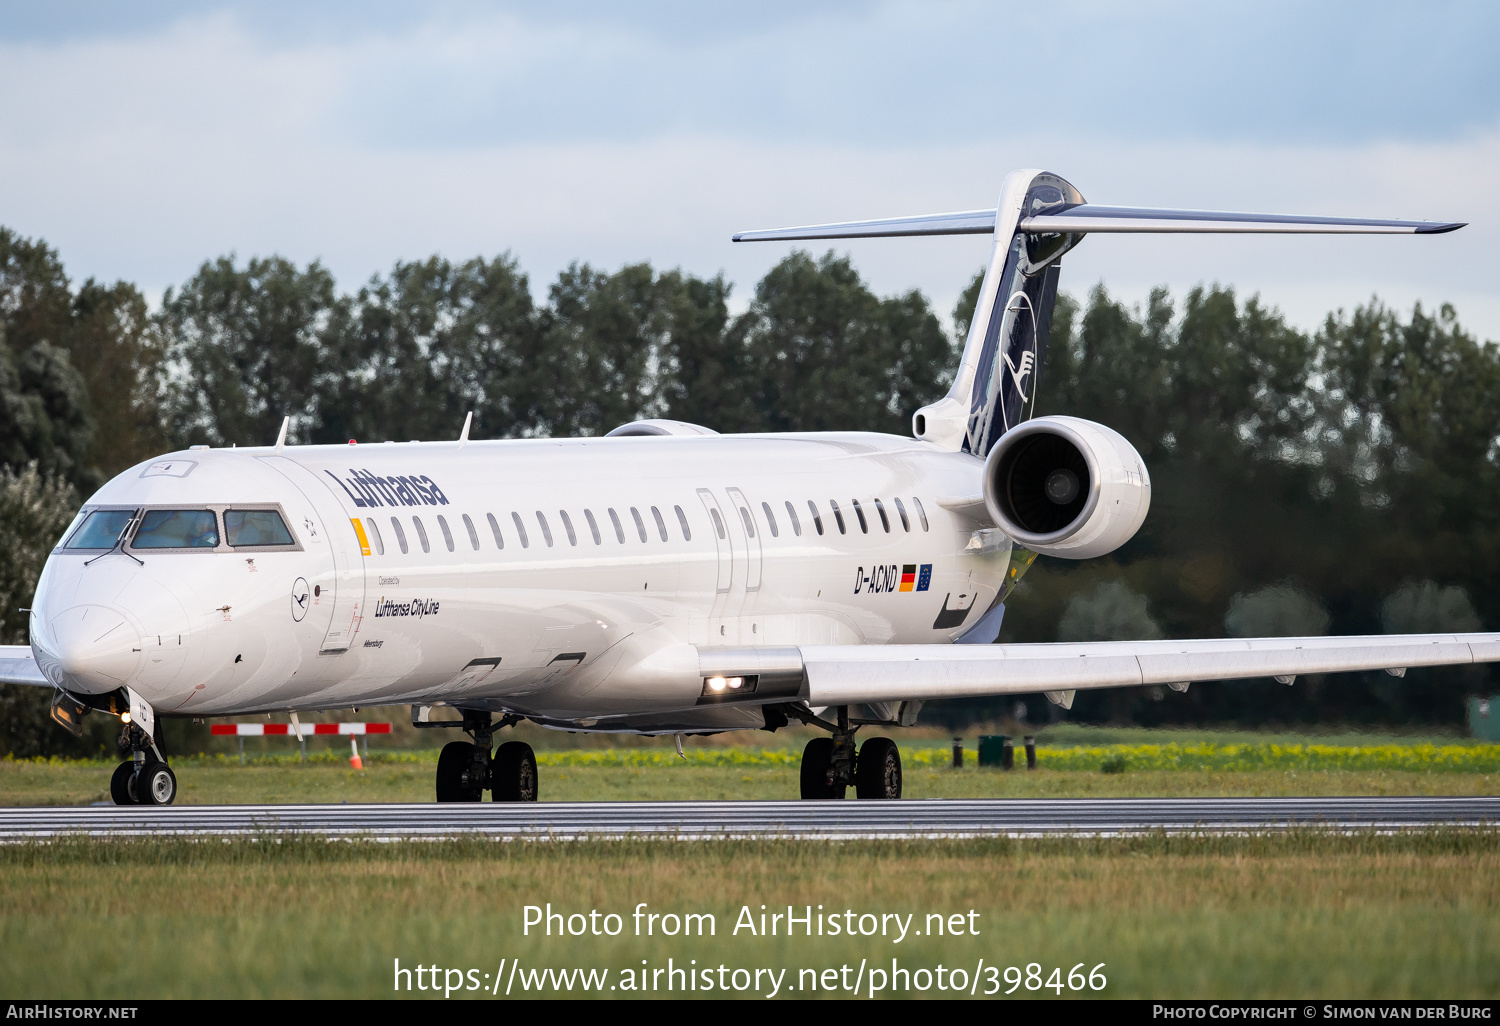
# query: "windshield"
x,y
177,529
256,527
101,530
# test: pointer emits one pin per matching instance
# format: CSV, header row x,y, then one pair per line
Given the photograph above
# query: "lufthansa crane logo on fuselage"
x,y
301,595
369,489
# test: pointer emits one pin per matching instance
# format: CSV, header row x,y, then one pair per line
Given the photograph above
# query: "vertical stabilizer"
x,y
996,384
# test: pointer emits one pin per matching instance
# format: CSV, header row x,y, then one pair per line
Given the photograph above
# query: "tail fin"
x,y
1039,218
996,384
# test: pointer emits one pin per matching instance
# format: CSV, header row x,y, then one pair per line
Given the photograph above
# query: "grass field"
x,y
1299,915
1286,916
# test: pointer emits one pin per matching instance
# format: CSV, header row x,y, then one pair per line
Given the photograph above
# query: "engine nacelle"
x,y
1068,487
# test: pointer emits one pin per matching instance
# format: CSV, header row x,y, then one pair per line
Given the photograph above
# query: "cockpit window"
x,y
101,529
177,529
255,527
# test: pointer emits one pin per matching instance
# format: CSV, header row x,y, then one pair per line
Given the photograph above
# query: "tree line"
x,y
1341,480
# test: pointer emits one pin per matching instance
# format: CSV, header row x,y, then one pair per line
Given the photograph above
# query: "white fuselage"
x,y
593,612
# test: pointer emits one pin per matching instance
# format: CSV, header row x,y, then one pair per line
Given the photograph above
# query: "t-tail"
x,y
1038,218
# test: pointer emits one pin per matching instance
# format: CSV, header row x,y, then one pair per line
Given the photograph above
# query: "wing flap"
x,y
18,666
847,674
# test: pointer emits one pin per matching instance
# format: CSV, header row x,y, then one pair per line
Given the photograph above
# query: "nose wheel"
x,y
144,778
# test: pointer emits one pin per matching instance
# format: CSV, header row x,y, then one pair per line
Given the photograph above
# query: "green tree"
x,y
825,353
121,355
44,408
426,345
246,344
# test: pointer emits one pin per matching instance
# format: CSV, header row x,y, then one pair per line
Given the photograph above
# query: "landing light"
x,y
724,685
125,717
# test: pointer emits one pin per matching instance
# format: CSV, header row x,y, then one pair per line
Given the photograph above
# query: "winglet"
x,y
463,436
286,422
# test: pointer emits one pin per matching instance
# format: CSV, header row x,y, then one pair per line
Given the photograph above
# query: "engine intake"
x,y
1063,486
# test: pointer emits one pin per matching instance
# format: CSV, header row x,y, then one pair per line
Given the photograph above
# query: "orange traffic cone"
x,y
354,759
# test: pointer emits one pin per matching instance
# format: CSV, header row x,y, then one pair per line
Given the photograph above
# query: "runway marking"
x,y
849,820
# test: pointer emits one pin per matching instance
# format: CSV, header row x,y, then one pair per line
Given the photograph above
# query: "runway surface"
x,y
795,819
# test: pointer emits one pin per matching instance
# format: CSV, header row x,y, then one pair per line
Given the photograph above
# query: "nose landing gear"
x,y
466,769
830,765
144,778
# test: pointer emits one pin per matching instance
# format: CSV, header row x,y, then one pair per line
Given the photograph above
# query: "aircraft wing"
x,y
18,666
850,674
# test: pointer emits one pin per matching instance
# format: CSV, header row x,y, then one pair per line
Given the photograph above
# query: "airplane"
x,y
661,579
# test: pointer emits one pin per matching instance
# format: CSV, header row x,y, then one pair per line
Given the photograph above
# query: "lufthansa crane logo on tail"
x,y
301,596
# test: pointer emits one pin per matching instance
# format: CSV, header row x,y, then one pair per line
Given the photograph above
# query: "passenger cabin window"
x,y
791,514
748,522
102,529
765,508
838,515
905,523
661,525
885,521
400,535
177,529
495,529
619,530
921,513
817,517
640,525
859,511
521,530
473,534
568,526
370,529
588,515
687,532
256,527
718,522
447,534
546,528
421,533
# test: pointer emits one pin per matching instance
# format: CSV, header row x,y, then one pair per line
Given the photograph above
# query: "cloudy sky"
x,y
143,138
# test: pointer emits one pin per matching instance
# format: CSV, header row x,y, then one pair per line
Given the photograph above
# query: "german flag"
x,y
908,577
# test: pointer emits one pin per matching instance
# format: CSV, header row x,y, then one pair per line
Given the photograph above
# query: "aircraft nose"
x,y
95,647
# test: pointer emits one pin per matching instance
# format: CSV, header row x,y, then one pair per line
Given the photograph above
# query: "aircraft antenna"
x,y
286,423
463,436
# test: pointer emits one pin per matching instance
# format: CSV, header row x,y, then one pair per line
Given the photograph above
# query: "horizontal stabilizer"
x,y
1089,217
963,222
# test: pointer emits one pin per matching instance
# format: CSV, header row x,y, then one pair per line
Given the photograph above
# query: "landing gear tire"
x,y
155,784
817,757
878,771
122,784
454,769
514,773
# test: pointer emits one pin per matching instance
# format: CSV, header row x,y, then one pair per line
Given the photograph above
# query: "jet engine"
x,y
1068,487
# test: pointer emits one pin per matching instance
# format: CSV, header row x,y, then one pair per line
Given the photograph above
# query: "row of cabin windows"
x,y
838,517
377,541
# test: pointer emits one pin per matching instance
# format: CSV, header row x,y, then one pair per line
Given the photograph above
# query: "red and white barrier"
x,y
301,732
287,729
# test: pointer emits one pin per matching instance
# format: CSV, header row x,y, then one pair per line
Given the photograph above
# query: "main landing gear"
x,y
830,765
466,769
144,778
